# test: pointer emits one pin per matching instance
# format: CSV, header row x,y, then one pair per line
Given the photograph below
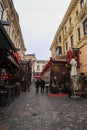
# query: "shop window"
x,y
85,27
72,41
79,35
82,3
1,11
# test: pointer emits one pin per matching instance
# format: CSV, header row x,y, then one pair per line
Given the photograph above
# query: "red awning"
x,y
46,67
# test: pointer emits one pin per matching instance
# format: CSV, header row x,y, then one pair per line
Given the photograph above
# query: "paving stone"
x,y
4,127
31,111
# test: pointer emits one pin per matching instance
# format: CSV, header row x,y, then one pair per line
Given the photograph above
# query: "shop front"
x,y
25,75
9,67
59,76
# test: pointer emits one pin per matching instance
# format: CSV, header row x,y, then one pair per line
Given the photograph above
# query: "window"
x,y
58,50
60,39
72,41
76,13
66,46
38,67
85,27
82,3
65,29
79,36
70,21
1,11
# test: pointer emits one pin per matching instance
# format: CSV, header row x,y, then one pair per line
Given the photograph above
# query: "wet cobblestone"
x,y
31,111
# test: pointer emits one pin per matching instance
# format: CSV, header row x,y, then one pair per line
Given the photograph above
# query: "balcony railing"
x,y
82,13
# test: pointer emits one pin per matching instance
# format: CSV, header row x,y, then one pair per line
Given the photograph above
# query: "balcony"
x,y
82,13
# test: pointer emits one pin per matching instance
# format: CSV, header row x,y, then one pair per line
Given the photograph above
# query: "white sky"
x,y
39,20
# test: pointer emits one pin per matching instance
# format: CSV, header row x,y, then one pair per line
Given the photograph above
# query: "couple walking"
x,y
40,83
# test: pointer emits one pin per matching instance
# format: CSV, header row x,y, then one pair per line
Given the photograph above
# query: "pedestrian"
x,y
38,84
47,86
42,85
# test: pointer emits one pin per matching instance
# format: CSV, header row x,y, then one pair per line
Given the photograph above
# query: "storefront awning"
x,y
13,61
16,55
5,41
6,45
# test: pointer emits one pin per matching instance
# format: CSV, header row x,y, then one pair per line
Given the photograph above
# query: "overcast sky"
x,y
39,20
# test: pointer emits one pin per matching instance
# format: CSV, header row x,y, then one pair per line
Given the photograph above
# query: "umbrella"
x,y
73,63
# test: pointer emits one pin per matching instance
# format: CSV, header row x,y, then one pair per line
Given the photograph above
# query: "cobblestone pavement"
x,y
31,111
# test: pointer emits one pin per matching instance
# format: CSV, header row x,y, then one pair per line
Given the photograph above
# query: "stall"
x,y
25,75
59,76
9,67
58,73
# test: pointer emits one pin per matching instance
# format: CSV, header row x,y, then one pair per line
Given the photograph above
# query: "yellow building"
x,y
72,33
8,13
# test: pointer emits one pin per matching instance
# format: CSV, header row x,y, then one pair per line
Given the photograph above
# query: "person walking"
x,y
37,84
42,85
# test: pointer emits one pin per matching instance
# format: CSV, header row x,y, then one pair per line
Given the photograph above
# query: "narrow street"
x,y
31,111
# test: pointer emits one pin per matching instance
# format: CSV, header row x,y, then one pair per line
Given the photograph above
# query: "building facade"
x,y
72,33
9,15
31,58
38,67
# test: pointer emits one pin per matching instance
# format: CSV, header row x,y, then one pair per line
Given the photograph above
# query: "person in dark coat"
x,y
38,84
42,85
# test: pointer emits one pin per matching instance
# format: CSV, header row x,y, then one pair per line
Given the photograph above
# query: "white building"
x,y
38,67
